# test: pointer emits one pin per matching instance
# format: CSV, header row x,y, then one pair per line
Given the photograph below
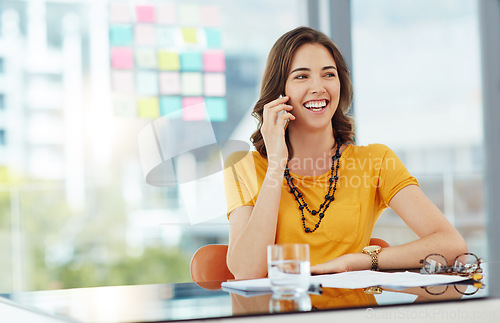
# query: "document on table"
x,y
355,279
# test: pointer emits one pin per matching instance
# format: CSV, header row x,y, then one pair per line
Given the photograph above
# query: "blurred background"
x,y
80,79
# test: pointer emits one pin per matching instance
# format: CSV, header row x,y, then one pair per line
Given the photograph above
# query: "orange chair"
x,y
208,265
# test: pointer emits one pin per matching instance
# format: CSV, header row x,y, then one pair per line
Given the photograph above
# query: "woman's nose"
x,y
317,85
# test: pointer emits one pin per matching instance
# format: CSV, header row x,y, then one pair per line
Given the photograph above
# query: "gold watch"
x,y
373,251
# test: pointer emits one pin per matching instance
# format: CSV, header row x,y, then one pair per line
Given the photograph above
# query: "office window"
x,y
88,215
412,94
3,140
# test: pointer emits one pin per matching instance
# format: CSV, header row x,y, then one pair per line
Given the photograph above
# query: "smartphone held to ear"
x,y
283,111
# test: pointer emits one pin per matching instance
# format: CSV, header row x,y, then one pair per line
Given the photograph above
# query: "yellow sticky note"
x,y
168,61
189,35
149,108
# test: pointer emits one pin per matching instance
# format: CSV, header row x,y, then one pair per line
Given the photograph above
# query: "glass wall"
x,y
417,89
79,81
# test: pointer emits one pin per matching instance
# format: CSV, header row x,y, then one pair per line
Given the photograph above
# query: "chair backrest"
x,y
209,268
379,242
209,265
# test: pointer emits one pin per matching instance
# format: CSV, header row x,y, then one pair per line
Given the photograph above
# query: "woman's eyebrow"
x,y
301,69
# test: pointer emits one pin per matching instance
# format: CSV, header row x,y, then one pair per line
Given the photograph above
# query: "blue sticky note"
x,y
191,61
213,37
166,37
121,35
171,106
216,109
147,83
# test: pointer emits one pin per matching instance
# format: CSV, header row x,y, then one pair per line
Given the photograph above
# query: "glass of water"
x,y
288,268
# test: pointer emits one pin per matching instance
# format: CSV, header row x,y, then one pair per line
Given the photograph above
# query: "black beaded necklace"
x,y
329,197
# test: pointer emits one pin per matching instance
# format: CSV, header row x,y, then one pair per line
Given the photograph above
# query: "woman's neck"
x,y
312,151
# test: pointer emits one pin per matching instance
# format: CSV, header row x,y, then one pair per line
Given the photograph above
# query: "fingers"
x,y
278,111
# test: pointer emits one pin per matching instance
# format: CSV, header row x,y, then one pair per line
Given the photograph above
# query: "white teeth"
x,y
315,105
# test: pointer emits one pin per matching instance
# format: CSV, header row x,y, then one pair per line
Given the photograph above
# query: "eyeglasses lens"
x,y
435,264
466,263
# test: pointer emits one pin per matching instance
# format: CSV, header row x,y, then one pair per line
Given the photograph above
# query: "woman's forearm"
x,y
247,253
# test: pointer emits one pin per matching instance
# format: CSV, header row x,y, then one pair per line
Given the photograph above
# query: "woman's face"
x,y
313,87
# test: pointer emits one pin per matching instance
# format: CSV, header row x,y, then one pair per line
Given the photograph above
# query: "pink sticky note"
x,y
193,108
210,16
145,13
166,14
215,84
122,58
214,61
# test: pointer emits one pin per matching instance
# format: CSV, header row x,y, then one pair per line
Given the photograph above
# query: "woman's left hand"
x,y
347,262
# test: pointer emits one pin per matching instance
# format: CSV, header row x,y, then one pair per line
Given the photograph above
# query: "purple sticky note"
x,y
145,35
170,83
210,16
123,81
193,108
122,58
214,61
145,13
119,13
166,14
214,84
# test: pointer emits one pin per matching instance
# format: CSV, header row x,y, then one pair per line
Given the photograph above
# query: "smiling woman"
x,y
301,185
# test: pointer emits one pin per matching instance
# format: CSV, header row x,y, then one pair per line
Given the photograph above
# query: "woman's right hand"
x,y
273,129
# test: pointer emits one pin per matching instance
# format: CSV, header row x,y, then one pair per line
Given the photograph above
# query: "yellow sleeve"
x,y
238,170
393,176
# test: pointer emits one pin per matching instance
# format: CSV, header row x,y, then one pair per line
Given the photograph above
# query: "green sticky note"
x,y
168,61
149,108
216,109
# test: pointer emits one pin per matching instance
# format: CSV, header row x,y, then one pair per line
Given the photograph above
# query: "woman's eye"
x,y
300,77
330,75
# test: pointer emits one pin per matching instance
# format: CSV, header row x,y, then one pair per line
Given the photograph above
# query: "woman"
x,y
308,183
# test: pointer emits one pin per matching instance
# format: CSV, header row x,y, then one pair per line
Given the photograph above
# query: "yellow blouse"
x,y
369,176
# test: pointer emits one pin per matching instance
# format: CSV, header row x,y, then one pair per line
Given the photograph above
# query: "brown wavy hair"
x,y
276,73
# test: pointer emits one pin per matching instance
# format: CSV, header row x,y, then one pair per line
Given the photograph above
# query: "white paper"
x,y
356,279
369,278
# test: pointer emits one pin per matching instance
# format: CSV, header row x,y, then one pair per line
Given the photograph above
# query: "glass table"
x,y
190,301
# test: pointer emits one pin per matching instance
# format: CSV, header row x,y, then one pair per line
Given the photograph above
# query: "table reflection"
x,y
337,298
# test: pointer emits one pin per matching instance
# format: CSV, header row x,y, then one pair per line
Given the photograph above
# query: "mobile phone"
x,y
283,111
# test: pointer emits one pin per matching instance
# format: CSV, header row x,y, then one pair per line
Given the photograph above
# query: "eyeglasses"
x,y
466,264
464,289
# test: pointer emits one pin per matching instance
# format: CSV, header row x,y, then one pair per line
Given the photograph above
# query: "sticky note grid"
x,y
167,59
